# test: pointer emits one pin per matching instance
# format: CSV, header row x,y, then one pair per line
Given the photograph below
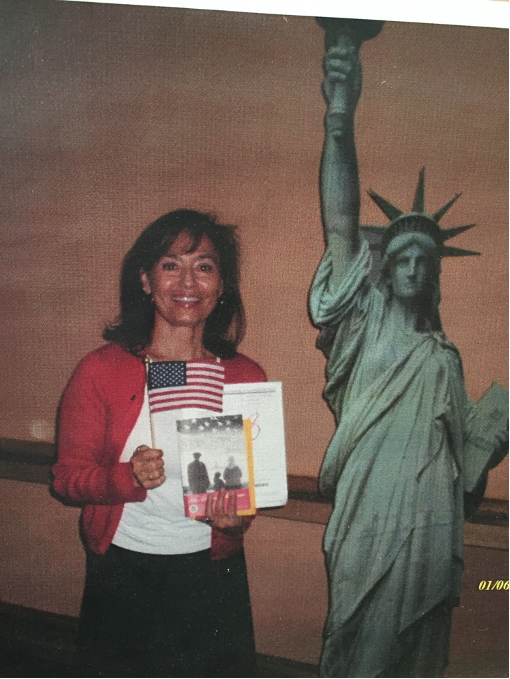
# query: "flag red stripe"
x,y
201,375
186,403
205,366
168,398
194,384
204,380
168,393
209,388
179,397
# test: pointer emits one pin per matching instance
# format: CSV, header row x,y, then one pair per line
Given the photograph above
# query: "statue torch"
x,y
344,34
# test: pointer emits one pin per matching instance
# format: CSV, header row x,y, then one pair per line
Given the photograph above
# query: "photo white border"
x,y
489,13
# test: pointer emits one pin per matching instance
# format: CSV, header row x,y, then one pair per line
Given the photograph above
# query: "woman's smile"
x,y
186,300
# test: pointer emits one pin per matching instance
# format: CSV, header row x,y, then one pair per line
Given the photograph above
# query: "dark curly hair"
x,y
224,328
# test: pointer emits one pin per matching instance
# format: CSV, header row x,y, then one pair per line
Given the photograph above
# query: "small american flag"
x,y
185,384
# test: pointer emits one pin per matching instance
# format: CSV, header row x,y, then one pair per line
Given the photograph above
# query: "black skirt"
x,y
150,615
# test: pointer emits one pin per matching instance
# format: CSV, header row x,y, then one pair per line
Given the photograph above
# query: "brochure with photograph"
x,y
216,452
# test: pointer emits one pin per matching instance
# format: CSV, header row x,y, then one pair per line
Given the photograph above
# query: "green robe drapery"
x,y
394,469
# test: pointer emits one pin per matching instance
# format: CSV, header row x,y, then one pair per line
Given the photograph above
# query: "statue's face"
x,y
409,272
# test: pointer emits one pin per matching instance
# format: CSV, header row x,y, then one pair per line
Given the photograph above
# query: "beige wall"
x,y
112,115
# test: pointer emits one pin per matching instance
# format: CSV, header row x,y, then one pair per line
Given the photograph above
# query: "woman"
x,y
164,595
395,467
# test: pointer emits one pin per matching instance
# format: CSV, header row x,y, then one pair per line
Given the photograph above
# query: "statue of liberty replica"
x,y
409,442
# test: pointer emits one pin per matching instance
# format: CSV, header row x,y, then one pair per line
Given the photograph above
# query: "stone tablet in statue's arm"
x,y
486,442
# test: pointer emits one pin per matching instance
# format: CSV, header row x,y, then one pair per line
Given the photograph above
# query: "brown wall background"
x,y
112,115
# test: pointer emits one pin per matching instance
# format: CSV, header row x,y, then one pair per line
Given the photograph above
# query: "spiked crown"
x,y
418,221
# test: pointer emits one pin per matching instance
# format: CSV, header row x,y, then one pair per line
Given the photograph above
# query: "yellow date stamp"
x,y
492,584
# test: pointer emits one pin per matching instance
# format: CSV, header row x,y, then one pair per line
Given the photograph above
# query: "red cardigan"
x,y
99,408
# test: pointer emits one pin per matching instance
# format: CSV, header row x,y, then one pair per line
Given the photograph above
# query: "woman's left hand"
x,y
221,513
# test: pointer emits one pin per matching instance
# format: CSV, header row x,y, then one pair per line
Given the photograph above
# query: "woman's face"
x,y
409,272
185,286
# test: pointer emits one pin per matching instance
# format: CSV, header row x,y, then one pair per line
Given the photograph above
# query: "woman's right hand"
x,y
221,513
148,467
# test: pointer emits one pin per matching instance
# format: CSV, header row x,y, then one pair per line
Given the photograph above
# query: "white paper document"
x,y
486,431
262,403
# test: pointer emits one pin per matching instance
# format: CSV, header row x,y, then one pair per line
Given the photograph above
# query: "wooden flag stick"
x,y
147,361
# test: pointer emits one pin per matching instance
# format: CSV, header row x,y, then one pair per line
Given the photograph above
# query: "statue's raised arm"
x,y
339,181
